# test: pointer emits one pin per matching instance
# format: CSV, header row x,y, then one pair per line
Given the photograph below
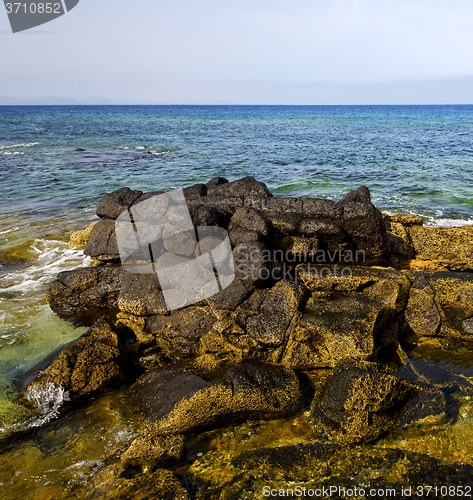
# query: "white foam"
x,y
46,399
21,145
52,257
16,228
449,222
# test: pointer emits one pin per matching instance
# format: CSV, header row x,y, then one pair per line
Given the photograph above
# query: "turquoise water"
x,y
413,158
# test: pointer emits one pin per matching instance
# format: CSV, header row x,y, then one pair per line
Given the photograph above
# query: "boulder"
x,y
286,224
102,241
91,364
450,247
346,317
177,335
363,222
240,236
333,235
245,187
113,204
275,313
321,209
85,292
253,263
229,298
441,304
140,295
422,314
195,191
362,401
216,181
250,220
180,403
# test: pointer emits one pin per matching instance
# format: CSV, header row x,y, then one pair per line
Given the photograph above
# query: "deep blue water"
x,y
413,158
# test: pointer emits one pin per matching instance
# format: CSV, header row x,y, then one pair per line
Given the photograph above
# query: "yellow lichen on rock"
x,y
78,239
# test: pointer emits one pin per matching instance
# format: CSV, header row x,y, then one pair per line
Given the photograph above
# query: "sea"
x,y
56,163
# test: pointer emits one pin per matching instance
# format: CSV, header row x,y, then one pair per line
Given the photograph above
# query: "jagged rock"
x,y
216,181
329,232
325,335
90,364
102,241
451,247
181,243
180,403
363,222
78,239
83,291
195,191
247,186
298,249
230,297
284,205
240,236
141,295
178,334
276,311
422,313
253,262
284,223
250,220
363,401
399,242
113,204
320,209
454,299
226,205
204,215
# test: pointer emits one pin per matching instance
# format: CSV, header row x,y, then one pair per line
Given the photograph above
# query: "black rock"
x,y
102,242
113,204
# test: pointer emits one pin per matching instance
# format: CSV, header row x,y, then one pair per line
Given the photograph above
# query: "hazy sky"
x,y
247,52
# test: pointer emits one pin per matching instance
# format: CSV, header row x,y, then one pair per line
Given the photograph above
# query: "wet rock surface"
x,y
312,331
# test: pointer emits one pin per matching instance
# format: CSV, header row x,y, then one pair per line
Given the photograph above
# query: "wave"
x,y
21,145
49,257
46,400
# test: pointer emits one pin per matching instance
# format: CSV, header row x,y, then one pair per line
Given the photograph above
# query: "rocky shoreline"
x,y
327,301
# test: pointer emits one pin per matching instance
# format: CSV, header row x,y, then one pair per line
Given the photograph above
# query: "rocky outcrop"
x,y
450,247
361,402
324,295
86,292
441,304
90,365
181,402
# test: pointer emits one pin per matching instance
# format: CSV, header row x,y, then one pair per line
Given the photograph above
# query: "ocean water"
x,y
57,162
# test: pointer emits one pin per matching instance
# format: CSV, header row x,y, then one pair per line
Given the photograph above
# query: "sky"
x,y
246,52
